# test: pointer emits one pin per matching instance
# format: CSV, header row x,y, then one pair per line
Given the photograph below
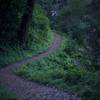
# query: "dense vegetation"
x,y
26,29
70,68
5,95
39,36
36,43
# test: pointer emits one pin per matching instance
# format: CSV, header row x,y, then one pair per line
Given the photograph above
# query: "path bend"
x,y
28,90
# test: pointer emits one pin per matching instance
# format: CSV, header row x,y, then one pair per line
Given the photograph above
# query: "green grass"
x,y
70,68
6,95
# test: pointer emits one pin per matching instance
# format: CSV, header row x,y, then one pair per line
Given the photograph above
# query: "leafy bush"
x,y
74,76
40,33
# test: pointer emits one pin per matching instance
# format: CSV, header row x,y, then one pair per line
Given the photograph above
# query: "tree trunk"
x,y
25,24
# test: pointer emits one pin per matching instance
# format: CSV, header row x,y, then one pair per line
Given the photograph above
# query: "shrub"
x,y
74,75
40,33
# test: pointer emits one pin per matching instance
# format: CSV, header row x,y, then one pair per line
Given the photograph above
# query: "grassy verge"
x,y
6,95
11,53
70,68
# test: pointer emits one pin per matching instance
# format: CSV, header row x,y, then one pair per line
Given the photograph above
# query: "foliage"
x,y
5,95
40,39
67,69
72,67
80,19
40,32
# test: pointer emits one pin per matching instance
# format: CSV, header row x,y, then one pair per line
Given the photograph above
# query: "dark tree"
x,y
26,23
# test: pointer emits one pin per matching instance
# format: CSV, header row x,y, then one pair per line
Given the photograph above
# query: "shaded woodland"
x,y
27,28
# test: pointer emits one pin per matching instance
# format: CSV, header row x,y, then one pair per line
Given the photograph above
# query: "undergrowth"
x,y
6,95
40,38
70,68
11,54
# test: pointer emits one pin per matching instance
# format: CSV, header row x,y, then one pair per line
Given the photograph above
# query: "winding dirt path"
x,y
28,90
